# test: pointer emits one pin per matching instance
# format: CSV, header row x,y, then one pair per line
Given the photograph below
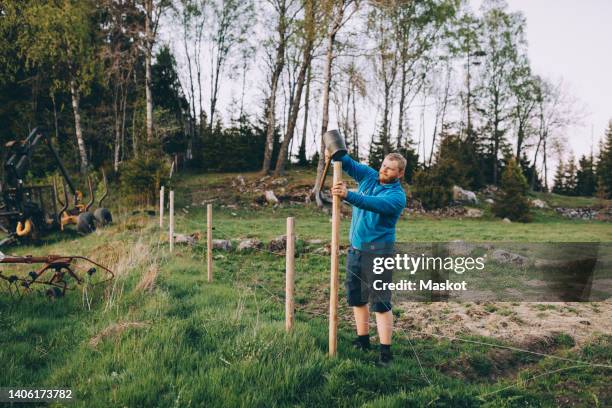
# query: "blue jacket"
x,y
376,207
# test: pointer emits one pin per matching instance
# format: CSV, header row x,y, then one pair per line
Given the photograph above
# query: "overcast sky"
x,y
573,39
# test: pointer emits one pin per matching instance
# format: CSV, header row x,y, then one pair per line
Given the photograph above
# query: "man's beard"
x,y
384,180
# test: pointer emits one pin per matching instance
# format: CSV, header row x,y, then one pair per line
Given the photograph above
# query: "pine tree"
x,y
604,164
585,177
601,193
376,154
569,182
558,185
511,201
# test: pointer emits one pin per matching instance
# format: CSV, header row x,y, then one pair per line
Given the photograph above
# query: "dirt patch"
x,y
516,323
115,330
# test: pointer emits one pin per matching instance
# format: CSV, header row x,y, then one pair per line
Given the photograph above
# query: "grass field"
x,y
160,335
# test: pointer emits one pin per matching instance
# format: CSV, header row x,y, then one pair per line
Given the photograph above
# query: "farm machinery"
x,y
58,274
27,212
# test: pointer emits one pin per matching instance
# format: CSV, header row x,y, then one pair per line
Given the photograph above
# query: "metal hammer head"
x,y
335,144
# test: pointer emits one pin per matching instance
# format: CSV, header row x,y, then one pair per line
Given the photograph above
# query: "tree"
x,y
511,200
281,7
336,14
122,28
504,41
604,164
585,177
61,37
153,12
569,178
308,36
559,181
230,27
526,93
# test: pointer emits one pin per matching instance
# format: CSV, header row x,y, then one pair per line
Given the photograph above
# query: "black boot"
x,y
362,342
385,355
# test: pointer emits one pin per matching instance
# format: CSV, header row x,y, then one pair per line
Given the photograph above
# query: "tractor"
x,y
27,212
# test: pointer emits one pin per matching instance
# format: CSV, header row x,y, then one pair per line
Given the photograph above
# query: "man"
x,y
377,206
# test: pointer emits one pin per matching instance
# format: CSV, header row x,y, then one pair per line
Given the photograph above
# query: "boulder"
x,y
278,244
505,257
474,213
461,195
537,203
281,181
507,221
249,244
186,239
489,201
222,244
270,197
238,181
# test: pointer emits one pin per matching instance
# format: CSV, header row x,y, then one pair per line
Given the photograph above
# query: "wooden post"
x,y
171,221
161,207
335,247
209,242
289,274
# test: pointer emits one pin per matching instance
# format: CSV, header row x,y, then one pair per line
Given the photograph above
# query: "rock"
x,y
507,221
238,181
474,213
538,203
460,248
249,244
462,195
187,239
222,244
314,241
489,201
490,191
505,257
264,178
281,181
270,197
579,213
278,244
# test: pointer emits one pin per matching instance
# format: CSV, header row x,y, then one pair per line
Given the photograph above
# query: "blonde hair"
x,y
396,157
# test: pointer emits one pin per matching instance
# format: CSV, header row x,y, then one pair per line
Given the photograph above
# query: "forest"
x,y
142,87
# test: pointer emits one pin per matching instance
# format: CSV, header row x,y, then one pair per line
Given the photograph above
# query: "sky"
x,y
572,39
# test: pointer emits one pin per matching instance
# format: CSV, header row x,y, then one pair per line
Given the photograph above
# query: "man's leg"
x,y
384,325
362,317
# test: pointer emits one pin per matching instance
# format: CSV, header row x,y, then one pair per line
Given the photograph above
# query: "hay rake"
x,y
58,273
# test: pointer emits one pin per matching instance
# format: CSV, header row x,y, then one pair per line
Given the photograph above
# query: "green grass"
x,y
223,343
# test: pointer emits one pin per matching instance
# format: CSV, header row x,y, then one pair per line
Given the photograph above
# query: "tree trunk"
x,y
149,50
215,91
278,69
331,38
295,102
74,92
355,131
302,153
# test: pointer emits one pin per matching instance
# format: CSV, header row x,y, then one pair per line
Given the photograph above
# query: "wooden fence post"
x,y
171,221
209,260
161,207
335,247
290,276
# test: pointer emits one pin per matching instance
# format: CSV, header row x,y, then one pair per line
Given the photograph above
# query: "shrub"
x,y
141,178
430,190
511,201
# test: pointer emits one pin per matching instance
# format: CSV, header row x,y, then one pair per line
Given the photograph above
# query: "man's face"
x,y
389,171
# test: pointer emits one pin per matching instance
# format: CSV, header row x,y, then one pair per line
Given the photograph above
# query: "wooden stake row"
x,y
289,258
